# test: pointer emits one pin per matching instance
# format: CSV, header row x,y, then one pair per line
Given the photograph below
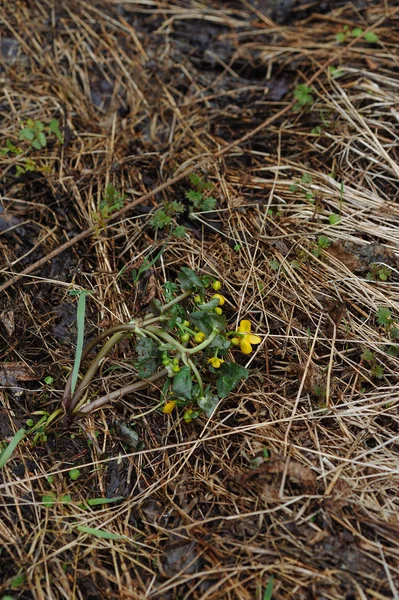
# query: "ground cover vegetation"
x,y
199,310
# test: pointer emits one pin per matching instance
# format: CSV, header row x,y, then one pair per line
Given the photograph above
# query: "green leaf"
x,y
356,32
209,305
99,501
55,128
176,207
8,450
230,375
340,37
207,322
80,320
323,241
49,499
394,333
190,280
194,197
41,138
208,204
148,355
384,316
18,581
334,219
26,134
268,593
220,342
377,371
99,533
371,37
367,355
36,145
160,220
74,474
274,264
179,232
306,178
208,403
170,289
182,384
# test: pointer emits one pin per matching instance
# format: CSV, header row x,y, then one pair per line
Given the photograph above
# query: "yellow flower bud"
x,y
216,285
218,310
221,298
199,337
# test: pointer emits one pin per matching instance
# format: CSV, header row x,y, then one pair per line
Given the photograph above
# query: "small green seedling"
x,y
370,36
334,219
379,272
111,201
303,95
35,132
384,318
74,474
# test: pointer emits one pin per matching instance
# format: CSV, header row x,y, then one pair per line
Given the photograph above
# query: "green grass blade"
x,y
98,501
7,452
105,535
267,594
80,319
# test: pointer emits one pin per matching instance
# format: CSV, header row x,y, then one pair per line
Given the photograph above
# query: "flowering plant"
x,y
183,343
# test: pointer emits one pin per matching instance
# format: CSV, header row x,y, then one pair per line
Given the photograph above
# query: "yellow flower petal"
x,y
169,406
253,339
244,326
245,345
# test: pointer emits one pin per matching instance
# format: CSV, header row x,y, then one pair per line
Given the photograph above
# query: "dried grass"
x,y
143,101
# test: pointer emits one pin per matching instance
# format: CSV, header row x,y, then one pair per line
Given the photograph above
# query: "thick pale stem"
x,y
118,394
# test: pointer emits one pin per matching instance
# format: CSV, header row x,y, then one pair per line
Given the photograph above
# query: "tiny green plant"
x,y
342,36
199,200
36,133
384,318
379,272
74,474
184,342
268,593
303,95
376,369
111,201
38,430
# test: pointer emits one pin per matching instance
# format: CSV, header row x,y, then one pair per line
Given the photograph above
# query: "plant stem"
x,y
203,344
133,387
197,375
175,301
160,333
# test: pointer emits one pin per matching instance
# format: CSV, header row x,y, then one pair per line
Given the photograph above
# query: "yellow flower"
x,y
221,298
246,337
199,337
215,362
169,406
